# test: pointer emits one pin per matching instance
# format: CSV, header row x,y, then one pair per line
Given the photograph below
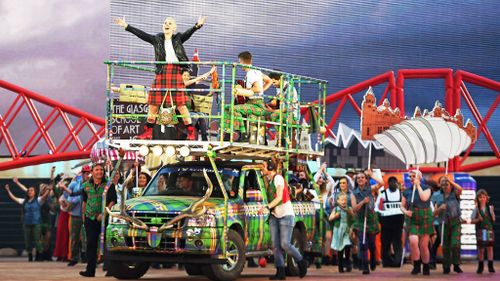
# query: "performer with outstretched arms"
x,y
31,218
415,204
168,48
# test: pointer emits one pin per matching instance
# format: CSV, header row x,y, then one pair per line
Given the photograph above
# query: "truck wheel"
x,y
128,270
299,242
193,269
232,269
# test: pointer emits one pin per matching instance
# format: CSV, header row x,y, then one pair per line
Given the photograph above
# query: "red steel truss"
x,y
454,84
21,151
455,90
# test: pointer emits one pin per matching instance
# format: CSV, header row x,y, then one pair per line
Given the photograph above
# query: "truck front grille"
x,y
155,218
166,244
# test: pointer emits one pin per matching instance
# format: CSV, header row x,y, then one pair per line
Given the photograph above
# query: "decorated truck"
x,y
205,215
205,210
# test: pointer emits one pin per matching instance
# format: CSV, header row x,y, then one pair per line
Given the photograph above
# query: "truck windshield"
x,y
189,181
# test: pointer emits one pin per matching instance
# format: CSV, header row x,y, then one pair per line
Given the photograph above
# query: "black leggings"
x,y
345,256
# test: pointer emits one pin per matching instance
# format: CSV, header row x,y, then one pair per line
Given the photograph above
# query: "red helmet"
x,y
86,169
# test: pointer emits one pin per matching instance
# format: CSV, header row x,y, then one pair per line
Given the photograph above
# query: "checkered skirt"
x,y
170,78
421,222
485,237
372,224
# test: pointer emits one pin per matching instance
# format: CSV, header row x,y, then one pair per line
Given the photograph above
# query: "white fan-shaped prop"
x,y
424,140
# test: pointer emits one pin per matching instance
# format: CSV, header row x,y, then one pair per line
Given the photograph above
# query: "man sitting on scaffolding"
x,y
289,102
255,85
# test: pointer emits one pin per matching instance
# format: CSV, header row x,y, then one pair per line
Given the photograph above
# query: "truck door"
x,y
257,236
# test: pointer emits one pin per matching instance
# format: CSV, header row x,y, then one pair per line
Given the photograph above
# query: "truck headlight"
x,y
202,221
113,220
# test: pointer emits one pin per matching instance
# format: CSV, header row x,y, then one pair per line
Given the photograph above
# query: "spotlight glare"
x,y
170,151
143,150
184,151
157,150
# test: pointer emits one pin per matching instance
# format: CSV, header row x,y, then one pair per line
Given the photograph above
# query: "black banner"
x,y
127,128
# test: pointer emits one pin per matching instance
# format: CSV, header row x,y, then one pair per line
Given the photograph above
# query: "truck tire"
x,y
298,240
193,269
128,270
236,260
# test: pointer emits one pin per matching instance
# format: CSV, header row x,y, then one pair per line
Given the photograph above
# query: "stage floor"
x,y
19,269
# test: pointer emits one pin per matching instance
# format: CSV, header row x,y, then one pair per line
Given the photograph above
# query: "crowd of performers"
x,y
357,207
356,210
73,207
168,47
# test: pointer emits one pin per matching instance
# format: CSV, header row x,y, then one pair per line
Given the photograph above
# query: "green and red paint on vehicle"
x,y
197,236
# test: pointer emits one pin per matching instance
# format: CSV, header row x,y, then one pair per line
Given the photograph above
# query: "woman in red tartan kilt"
x,y
168,48
171,77
415,204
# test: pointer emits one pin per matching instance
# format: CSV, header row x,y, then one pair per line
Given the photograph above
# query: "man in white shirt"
x,y
255,85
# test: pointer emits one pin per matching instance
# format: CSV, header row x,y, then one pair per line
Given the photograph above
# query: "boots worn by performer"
x,y
491,269
480,267
457,268
416,267
426,270
280,274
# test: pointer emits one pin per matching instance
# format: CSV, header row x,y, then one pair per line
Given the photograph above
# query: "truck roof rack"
x,y
292,119
229,150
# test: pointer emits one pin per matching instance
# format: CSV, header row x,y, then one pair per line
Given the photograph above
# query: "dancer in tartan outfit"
x,y
415,204
365,208
92,214
451,219
255,85
168,48
484,217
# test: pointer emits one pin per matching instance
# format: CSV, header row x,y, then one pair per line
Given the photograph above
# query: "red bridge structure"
x,y
73,146
77,139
